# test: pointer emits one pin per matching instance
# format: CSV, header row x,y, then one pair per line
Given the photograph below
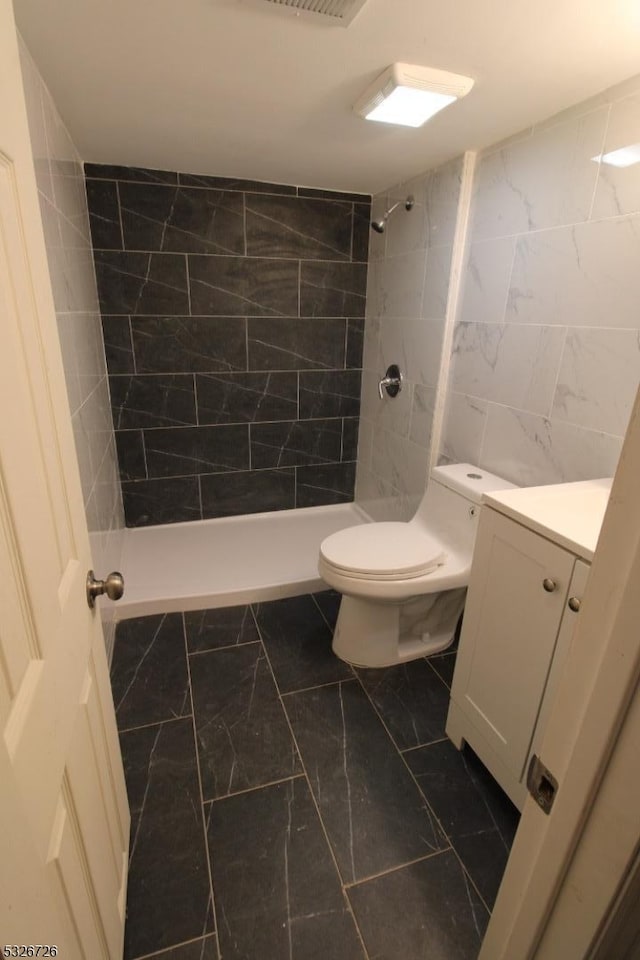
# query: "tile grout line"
x,y
420,791
254,789
598,175
401,866
319,686
313,798
176,946
420,746
332,628
205,831
228,646
154,723
433,670
222,188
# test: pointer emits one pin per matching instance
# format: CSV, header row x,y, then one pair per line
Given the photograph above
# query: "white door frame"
x,y
565,869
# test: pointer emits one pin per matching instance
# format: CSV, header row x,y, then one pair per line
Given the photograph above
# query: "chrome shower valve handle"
x,y
391,382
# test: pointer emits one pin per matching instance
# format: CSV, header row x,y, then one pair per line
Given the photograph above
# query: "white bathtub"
x,y
219,563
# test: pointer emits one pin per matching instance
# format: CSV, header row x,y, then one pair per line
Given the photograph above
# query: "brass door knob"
x,y
113,587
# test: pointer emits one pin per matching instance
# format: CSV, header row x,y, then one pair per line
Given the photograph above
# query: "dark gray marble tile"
x,y
355,343
131,461
242,286
107,171
334,195
242,733
192,450
298,642
295,443
331,289
361,231
477,815
141,283
104,214
231,183
152,401
412,701
150,502
274,879
173,219
292,344
360,782
296,227
177,344
329,393
204,949
169,893
149,676
329,603
118,346
247,397
251,491
350,430
325,484
224,627
426,910
444,665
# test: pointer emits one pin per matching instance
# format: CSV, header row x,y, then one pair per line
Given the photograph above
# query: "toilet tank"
x,y
451,504
469,481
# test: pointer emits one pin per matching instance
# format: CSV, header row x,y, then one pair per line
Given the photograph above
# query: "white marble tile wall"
x,y
546,354
407,293
65,219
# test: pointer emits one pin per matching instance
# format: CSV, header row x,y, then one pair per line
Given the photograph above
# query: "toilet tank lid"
x,y
469,481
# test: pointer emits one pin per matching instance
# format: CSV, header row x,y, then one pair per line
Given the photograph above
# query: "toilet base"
x,y
370,634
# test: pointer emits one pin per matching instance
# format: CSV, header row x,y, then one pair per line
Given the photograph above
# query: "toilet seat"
x,y
383,551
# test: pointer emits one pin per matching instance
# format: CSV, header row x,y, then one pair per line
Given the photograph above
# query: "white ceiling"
x,y
244,88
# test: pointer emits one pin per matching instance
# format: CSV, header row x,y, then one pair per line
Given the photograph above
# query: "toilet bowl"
x,y
403,584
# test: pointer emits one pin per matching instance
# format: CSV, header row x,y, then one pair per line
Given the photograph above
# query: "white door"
x,y
63,809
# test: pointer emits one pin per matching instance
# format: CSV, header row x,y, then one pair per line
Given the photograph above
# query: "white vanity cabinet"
x,y
527,582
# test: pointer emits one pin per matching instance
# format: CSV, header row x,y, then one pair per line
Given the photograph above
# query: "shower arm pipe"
x,y
391,209
379,225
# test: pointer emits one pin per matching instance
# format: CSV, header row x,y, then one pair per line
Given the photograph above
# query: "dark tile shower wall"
x,y
233,322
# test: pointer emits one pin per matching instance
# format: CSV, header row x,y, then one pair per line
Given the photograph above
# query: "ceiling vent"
x,y
339,12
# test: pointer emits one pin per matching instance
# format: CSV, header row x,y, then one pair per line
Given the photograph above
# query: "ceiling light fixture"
x,y
409,95
624,157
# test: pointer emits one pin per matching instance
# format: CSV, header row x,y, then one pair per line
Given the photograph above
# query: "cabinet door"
x,y
576,591
509,633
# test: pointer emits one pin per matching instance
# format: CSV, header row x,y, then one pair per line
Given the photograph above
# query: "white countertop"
x,y
570,514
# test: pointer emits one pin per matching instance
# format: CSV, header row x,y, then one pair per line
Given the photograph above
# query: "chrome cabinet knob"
x,y
574,604
113,587
549,584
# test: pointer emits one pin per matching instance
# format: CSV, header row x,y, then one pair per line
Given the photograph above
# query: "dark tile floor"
x,y
286,807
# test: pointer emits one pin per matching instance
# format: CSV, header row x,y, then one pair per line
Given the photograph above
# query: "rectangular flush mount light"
x,y
624,157
410,95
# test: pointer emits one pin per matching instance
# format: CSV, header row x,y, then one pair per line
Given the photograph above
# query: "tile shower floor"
x,y
286,807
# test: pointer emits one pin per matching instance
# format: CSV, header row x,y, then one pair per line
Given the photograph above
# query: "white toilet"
x,y
404,584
